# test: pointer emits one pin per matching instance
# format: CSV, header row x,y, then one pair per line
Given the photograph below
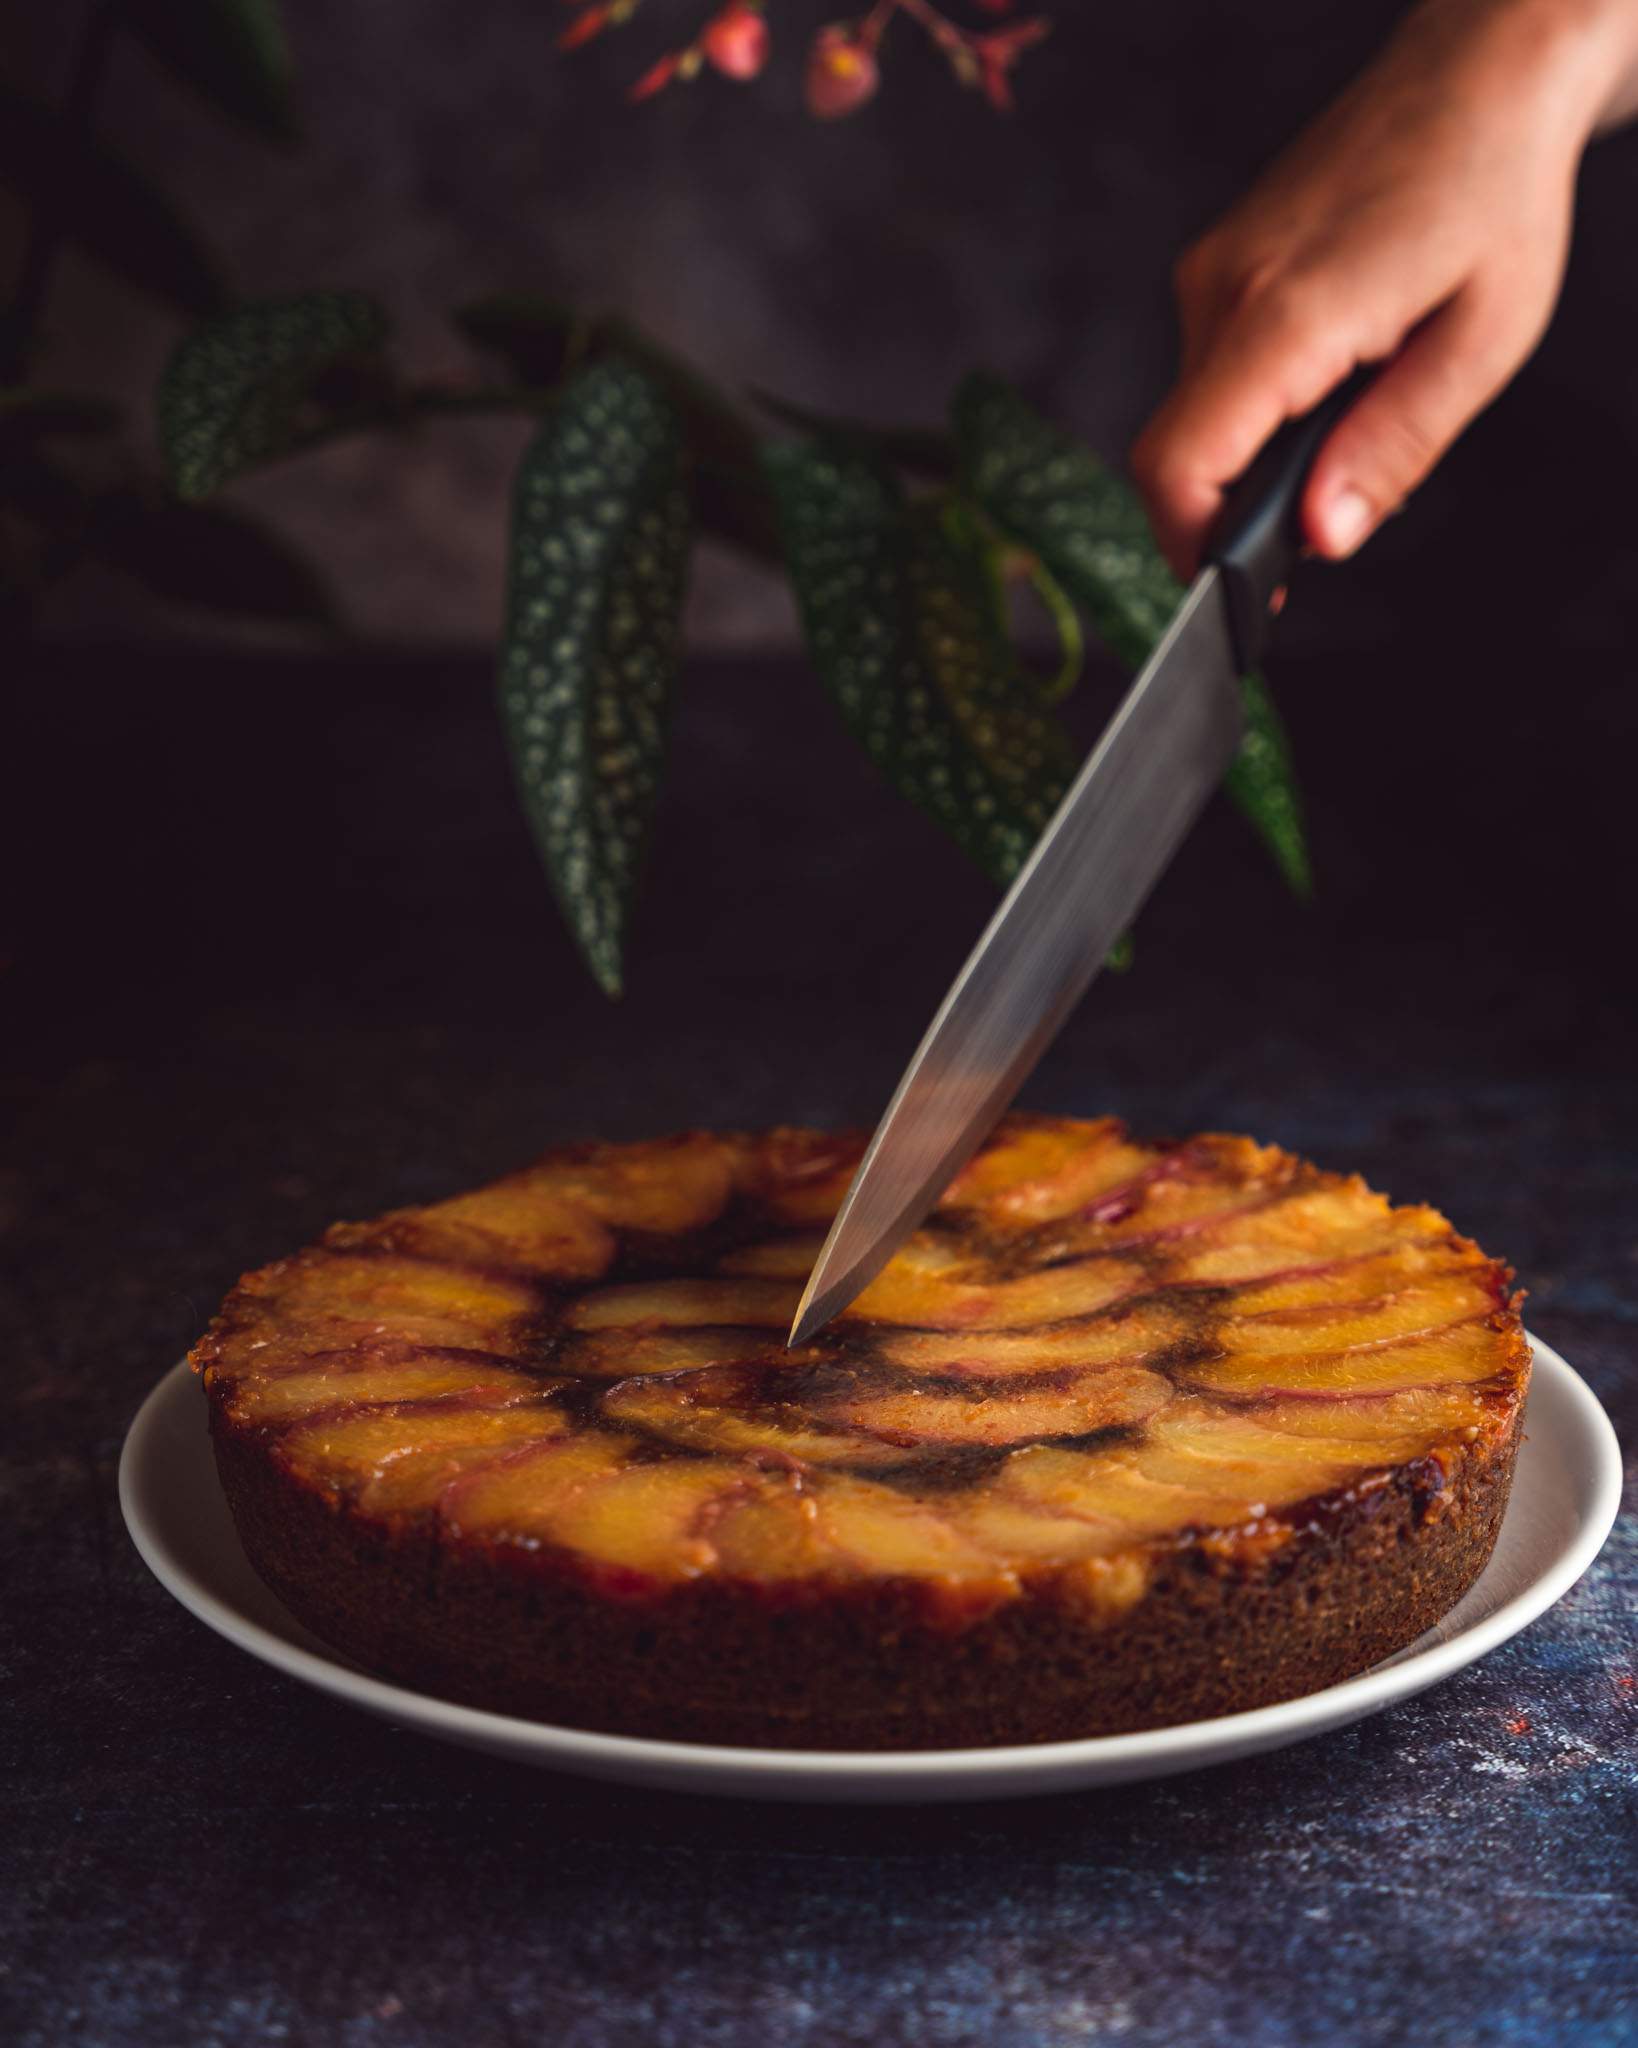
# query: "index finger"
x,y
1262,369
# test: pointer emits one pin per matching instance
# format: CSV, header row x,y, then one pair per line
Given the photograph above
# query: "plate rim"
x,y
1010,1769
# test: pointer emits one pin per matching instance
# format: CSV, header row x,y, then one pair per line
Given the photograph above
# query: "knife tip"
x,y
823,1298
836,1281
811,1316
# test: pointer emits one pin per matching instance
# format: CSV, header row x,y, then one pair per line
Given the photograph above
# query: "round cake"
x,y
1127,1434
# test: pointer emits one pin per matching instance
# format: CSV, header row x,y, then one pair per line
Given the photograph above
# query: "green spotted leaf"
x,y
1263,782
901,623
730,496
231,52
541,340
599,563
1054,497
244,388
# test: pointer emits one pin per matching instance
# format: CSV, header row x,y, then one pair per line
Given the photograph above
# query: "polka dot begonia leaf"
x,y
600,542
902,629
237,391
1054,497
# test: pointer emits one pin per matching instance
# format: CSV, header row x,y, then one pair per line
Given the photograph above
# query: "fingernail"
x,y
1346,519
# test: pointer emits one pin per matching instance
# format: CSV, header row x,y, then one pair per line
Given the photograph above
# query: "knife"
x,y
1143,785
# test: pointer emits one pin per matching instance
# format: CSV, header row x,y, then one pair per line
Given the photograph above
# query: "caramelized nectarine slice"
x,y
746,1300
773,1533
1416,1312
801,1176
621,1354
1238,1490
776,1258
1203,1429
1465,1353
525,1493
902,1294
1029,1534
1311,1226
884,1531
1003,1354
515,1221
727,1410
1380,1425
584,1494
649,1519
618,1354
1364,1279
1073,1407
402,1458
1113,1487
668,1186
330,1298
1047,1170
412,1379
1165,1206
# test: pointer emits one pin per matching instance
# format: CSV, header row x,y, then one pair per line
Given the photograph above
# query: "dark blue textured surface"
x,y
332,983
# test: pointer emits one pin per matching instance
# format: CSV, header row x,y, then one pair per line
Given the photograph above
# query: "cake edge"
x,y
1219,1623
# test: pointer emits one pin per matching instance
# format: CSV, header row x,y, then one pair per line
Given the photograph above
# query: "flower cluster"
x,y
843,68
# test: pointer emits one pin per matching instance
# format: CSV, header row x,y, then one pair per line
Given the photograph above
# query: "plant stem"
x,y
432,399
945,33
417,402
875,22
45,232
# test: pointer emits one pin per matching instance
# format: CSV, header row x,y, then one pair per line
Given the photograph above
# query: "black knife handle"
x,y
1256,538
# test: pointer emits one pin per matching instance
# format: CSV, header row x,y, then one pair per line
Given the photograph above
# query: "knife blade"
x,y
1128,810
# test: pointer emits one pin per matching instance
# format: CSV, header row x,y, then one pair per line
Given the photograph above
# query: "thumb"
x,y
1454,363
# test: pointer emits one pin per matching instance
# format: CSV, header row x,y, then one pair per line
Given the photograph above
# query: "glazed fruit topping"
x,y
1094,1349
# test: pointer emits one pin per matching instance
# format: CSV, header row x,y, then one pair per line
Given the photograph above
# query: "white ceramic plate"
x,y
1565,1495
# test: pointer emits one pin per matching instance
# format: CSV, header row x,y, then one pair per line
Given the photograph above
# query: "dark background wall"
x,y
862,265
1476,664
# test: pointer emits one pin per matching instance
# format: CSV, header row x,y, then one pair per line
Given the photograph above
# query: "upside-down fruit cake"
x,y
1127,1434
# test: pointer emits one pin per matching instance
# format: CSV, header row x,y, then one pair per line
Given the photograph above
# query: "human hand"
x,y
1423,223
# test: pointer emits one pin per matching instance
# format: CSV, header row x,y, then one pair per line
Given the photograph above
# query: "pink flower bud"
x,y
736,40
841,75
590,22
654,79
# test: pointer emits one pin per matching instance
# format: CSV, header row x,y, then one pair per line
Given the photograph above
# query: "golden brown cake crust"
x,y
1128,1435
